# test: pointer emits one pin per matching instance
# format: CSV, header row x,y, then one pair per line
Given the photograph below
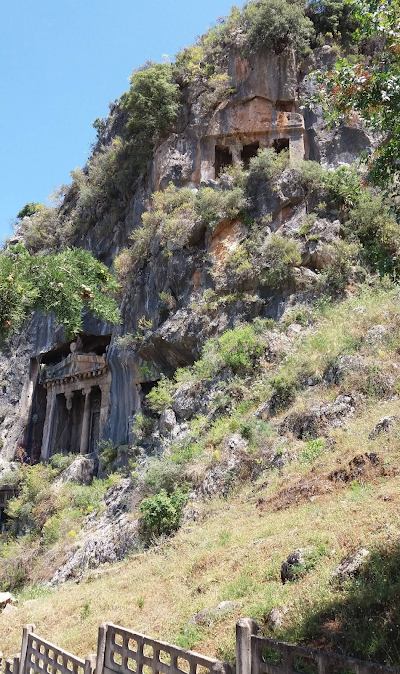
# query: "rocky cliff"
x,y
266,106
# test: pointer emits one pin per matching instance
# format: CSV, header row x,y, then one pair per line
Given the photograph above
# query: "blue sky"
x,y
61,63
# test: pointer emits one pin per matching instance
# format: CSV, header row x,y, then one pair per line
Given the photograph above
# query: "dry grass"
x,y
233,552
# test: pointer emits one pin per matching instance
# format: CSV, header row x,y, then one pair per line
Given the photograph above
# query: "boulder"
x,y
82,470
6,599
167,421
220,478
321,417
383,425
295,565
10,608
350,565
376,334
208,615
275,617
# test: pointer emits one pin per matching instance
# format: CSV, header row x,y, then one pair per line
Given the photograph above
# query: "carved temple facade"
x,y
78,391
70,399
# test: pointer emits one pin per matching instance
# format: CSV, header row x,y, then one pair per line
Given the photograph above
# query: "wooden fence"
x,y
122,651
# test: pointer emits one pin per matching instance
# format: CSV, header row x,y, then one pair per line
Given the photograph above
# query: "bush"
x,y
277,25
311,174
343,256
61,462
312,450
28,210
268,164
160,397
152,105
240,347
279,256
163,474
377,230
163,514
332,16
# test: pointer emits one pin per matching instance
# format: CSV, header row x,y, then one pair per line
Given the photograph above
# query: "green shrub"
x,y
377,230
61,461
343,256
311,174
333,17
343,186
268,164
279,256
284,391
162,514
160,397
240,347
312,450
28,210
152,105
108,453
163,474
277,25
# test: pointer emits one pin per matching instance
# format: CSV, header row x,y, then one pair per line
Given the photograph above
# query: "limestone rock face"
x,y
320,417
109,537
82,470
264,108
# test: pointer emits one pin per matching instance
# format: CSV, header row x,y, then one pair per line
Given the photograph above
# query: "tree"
x,y
151,105
64,284
29,209
369,88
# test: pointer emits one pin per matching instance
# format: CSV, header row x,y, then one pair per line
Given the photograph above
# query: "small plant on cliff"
x,y
28,210
160,397
279,257
163,514
268,164
152,105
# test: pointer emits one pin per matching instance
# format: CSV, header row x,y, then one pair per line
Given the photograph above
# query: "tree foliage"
x,y
29,209
370,88
65,283
152,105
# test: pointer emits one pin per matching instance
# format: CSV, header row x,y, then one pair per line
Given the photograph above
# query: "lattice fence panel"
x,y
276,657
11,666
42,657
128,652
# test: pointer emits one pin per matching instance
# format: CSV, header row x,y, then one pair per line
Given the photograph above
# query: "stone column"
x,y
104,404
207,167
296,146
85,423
236,151
49,423
68,400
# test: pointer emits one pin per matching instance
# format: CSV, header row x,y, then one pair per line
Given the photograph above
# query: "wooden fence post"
x,y
26,631
245,628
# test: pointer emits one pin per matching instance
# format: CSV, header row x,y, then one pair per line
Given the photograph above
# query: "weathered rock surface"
x,y
351,565
321,417
82,470
209,615
383,425
275,617
294,567
7,599
109,536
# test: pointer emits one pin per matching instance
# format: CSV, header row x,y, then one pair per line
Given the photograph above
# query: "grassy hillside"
x,y
234,552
